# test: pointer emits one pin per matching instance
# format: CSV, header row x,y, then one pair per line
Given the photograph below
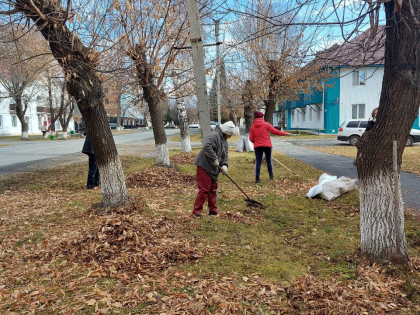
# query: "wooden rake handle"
x,y
229,178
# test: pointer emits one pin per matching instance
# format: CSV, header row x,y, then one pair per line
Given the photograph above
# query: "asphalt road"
x,y
18,156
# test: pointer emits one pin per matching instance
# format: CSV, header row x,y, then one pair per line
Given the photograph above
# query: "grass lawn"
x,y
60,254
410,163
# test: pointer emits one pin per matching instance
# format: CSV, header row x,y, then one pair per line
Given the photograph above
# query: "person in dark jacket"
x,y
259,135
93,178
213,155
372,120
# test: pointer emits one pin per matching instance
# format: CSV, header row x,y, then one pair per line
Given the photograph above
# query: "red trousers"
x,y
207,190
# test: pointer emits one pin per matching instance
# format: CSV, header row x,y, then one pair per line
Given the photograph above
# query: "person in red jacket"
x,y
260,137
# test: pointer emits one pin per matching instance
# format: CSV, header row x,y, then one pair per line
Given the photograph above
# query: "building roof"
x,y
365,49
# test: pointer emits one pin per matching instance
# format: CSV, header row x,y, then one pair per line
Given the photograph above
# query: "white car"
x,y
213,125
194,125
352,129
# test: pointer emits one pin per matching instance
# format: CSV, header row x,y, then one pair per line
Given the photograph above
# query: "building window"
x,y
358,111
106,101
107,112
14,121
359,77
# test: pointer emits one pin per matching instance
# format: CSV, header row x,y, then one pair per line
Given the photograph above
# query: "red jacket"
x,y
259,134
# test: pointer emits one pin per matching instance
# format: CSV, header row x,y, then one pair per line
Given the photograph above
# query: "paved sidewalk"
x,y
343,166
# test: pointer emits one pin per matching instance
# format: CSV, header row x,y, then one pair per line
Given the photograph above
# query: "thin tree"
x,y
182,115
149,28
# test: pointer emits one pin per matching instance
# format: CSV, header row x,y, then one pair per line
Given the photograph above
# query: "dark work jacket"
x,y
370,125
216,147
87,146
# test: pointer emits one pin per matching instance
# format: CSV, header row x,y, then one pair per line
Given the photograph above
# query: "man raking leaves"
x,y
212,160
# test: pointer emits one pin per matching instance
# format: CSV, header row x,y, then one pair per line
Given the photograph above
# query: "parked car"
x,y
213,125
352,129
194,125
113,125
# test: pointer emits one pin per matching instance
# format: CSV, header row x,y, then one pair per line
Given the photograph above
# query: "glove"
x,y
224,170
216,162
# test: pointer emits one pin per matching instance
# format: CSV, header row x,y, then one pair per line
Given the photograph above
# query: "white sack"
x,y
336,188
316,190
249,146
330,187
240,145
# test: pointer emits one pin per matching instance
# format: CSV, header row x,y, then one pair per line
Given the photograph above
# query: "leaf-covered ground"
x,y
62,254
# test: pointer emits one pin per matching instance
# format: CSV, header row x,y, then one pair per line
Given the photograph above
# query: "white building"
x,y
36,115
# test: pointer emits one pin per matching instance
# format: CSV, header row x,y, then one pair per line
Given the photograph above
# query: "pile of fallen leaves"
x,y
125,245
373,292
183,158
160,177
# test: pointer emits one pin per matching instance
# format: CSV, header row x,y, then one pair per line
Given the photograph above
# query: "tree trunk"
x,y
269,110
154,101
232,113
153,96
381,206
67,113
283,119
119,111
270,102
183,118
183,126
20,113
249,107
79,63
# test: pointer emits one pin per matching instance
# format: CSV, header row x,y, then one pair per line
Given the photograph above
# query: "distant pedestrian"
x,y
93,178
212,160
259,135
43,130
372,119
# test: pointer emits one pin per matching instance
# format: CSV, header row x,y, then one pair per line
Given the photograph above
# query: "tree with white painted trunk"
x,y
183,118
381,204
149,31
68,105
79,64
249,109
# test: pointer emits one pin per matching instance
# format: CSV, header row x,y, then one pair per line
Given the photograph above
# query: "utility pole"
x,y
219,117
199,69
